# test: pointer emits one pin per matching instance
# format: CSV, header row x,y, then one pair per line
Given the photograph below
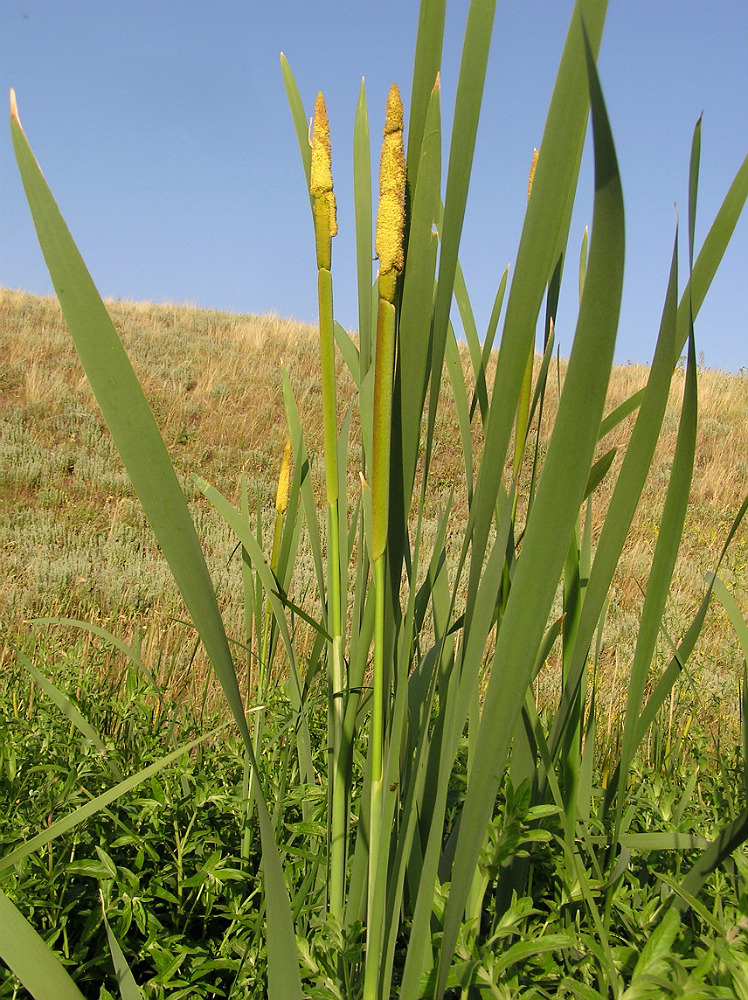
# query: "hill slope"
x,y
74,540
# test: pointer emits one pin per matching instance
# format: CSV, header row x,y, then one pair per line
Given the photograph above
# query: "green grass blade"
x,y
467,110
693,187
668,841
128,418
480,395
557,502
523,950
586,769
738,623
620,413
626,495
682,654
301,462
710,255
729,839
106,798
704,270
128,988
744,725
32,960
251,601
733,611
144,454
663,564
538,394
417,297
457,380
599,471
363,216
103,633
64,704
292,528
553,186
238,525
301,125
429,42
465,307
349,351
657,949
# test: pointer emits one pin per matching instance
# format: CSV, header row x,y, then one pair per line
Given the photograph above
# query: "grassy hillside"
x,y
75,543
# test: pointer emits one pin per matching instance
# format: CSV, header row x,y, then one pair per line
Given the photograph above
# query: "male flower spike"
x,y
325,217
389,248
391,214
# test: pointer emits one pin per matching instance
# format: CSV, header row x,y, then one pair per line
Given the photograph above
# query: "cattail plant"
x,y
452,634
325,227
389,250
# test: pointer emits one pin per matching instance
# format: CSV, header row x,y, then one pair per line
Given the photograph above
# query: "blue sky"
x,y
164,132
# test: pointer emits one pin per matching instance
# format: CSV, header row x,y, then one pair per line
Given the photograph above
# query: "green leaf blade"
x,y
30,957
128,417
557,502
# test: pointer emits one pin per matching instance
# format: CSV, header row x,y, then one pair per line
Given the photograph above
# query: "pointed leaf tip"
x,y
14,106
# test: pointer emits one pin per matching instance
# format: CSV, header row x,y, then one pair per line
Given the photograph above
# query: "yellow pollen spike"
x,y
391,214
281,497
321,166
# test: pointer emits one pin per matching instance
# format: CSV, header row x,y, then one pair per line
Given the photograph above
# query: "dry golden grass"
x,y
74,540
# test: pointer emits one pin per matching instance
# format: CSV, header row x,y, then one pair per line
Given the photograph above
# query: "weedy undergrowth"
x,y
432,672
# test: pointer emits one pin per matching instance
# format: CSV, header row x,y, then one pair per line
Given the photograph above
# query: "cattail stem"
x,y
339,794
325,227
380,472
375,900
389,247
329,401
380,500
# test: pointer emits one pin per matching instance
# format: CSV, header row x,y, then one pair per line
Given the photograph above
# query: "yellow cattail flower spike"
x,y
325,217
284,478
391,214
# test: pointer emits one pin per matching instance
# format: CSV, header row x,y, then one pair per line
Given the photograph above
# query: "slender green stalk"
x,y
389,247
325,227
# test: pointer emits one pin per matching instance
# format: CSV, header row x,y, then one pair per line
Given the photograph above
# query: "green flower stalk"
x,y
325,227
389,248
